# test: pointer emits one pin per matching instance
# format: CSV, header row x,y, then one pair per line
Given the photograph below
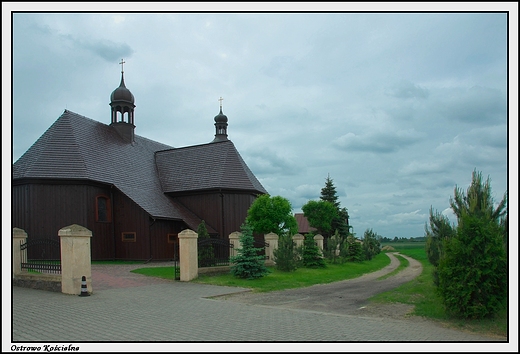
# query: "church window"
x,y
103,209
128,236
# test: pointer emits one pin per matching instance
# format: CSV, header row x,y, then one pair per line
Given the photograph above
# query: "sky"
x,y
397,108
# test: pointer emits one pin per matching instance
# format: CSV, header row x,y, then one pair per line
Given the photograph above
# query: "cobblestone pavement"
x,y
136,312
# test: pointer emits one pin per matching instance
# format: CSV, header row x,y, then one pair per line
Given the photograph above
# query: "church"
x,y
134,194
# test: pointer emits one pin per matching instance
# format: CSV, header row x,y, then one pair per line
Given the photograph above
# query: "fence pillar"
x,y
234,239
188,255
319,242
298,239
19,238
75,258
272,239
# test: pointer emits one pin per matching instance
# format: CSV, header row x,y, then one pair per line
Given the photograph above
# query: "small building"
x,y
303,224
134,194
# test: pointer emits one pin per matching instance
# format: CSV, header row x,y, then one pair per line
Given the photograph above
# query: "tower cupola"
x,y
220,125
122,105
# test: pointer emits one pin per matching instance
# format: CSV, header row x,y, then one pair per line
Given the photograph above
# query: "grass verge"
x,y
422,293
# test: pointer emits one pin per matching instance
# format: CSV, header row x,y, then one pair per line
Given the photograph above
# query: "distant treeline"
x,y
404,239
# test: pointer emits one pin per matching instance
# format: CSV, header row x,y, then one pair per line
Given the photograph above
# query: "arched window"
x,y
103,209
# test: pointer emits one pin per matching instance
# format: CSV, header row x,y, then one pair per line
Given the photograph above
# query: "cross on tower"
x,y
221,99
122,63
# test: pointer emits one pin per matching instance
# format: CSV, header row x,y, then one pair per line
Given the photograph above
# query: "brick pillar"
x,y
272,239
234,239
319,242
19,238
188,256
75,258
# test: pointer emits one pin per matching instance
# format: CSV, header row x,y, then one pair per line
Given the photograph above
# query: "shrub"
x,y
247,263
473,271
286,255
311,256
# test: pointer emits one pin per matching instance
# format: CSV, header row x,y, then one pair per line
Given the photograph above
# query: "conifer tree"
x,y
340,221
311,257
248,263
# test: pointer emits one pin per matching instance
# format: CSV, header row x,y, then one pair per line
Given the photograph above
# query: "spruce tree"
x,y
248,263
311,257
286,256
340,222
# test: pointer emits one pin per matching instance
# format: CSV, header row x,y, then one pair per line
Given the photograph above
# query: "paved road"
x,y
129,308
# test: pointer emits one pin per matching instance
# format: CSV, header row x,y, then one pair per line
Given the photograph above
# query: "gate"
x,y
41,255
213,252
176,266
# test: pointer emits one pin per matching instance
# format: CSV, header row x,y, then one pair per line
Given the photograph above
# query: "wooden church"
x,y
134,194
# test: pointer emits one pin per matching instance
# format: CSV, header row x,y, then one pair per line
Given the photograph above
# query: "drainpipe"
x,y
112,214
150,238
222,213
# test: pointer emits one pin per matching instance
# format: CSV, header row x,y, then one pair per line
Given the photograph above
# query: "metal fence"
x,y
213,252
41,255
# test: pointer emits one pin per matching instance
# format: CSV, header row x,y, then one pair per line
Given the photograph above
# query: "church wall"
x,y
209,207
42,209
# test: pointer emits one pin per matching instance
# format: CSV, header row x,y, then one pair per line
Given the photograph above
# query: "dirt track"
x,y
343,297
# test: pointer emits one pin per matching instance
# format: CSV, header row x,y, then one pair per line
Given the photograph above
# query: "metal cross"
x,y
122,63
221,99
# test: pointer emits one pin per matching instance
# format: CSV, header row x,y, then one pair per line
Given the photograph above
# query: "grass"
x,y
421,292
403,263
278,280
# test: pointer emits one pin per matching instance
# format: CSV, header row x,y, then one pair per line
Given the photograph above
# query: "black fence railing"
x,y
213,252
41,255
263,245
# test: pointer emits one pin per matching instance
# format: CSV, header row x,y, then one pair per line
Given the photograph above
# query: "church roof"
x,y
79,148
205,167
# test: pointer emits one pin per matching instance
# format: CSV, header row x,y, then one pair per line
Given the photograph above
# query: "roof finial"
x,y
122,63
221,99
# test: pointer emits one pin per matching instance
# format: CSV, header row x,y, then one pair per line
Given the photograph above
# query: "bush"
x,y
311,256
352,250
247,263
371,244
286,255
473,271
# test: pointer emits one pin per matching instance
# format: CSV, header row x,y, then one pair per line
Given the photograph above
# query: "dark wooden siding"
x,y
225,212
42,210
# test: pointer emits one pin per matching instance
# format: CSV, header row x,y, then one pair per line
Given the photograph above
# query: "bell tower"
x,y
122,106
220,125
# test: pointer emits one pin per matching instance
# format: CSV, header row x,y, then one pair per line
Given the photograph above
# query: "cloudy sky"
x,y
397,108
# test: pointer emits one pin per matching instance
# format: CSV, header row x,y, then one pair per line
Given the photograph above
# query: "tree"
x,y
272,214
286,256
439,230
320,214
472,268
247,263
340,221
311,255
371,244
205,250
352,250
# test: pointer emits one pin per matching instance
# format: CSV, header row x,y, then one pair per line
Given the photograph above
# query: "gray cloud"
x,y
396,117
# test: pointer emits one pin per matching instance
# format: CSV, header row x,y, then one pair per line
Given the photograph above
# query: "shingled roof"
x,y
212,166
79,148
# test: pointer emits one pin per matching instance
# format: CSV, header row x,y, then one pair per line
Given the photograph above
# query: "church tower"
x,y
122,102
220,125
